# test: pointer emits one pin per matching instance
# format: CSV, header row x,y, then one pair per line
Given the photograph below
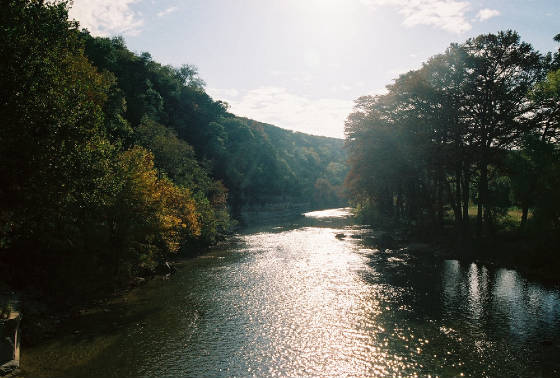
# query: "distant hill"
x,y
257,162
312,167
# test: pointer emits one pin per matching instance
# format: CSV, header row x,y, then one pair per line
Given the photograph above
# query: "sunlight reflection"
x,y
330,213
325,318
451,282
476,285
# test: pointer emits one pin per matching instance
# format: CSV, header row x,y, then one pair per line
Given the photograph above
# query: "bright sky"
x,y
300,64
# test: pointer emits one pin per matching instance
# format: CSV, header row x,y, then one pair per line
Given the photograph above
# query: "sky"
x,y
300,64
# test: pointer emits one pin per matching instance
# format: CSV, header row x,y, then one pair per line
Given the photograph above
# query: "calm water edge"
x,y
293,300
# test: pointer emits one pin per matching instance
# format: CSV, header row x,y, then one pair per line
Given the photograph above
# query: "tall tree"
x,y
502,70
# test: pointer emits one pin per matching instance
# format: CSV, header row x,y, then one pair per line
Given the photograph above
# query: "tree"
x,y
51,114
502,70
416,151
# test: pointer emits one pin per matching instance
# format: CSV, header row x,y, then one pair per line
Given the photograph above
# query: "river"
x,y
295,300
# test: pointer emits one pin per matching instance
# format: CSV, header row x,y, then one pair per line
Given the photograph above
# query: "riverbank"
x,y
535,261
538,260
87,327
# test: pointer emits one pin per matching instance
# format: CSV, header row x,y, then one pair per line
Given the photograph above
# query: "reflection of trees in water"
x,y
530,309
502,299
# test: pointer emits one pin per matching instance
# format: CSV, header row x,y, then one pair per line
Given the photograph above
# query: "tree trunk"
x,y
454,200
458,196
482,197
525,214
466,202
399,206
440,211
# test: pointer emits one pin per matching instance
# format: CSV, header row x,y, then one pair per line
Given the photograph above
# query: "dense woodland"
x,y
112,163
464,142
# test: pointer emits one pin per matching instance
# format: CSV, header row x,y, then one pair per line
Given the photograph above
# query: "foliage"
x,y
112,163
478,123
258,163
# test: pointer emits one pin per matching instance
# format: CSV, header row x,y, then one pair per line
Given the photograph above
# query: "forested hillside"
x,y
307,168
112,162
469,143
256,162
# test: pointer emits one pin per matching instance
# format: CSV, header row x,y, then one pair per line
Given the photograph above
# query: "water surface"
x,y
301,300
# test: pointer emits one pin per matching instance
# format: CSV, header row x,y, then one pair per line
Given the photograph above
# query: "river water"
x,y
295,300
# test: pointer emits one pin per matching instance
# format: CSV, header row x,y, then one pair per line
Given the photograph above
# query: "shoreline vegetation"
x,y
464,152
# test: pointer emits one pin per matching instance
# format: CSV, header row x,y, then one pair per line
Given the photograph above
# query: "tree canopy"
x,y
477,124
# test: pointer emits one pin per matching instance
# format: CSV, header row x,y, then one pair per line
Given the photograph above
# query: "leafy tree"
x,y
149,216
417,151
502,71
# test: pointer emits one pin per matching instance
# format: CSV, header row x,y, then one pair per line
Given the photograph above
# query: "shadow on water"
x,y
86,339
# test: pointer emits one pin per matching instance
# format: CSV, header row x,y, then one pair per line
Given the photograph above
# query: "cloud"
x,y
449,15
167,11
107,17
347,87
223,93
275,105
312,59
414,64
485,14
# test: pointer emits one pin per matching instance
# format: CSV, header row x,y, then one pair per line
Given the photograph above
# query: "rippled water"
x,y
299,300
